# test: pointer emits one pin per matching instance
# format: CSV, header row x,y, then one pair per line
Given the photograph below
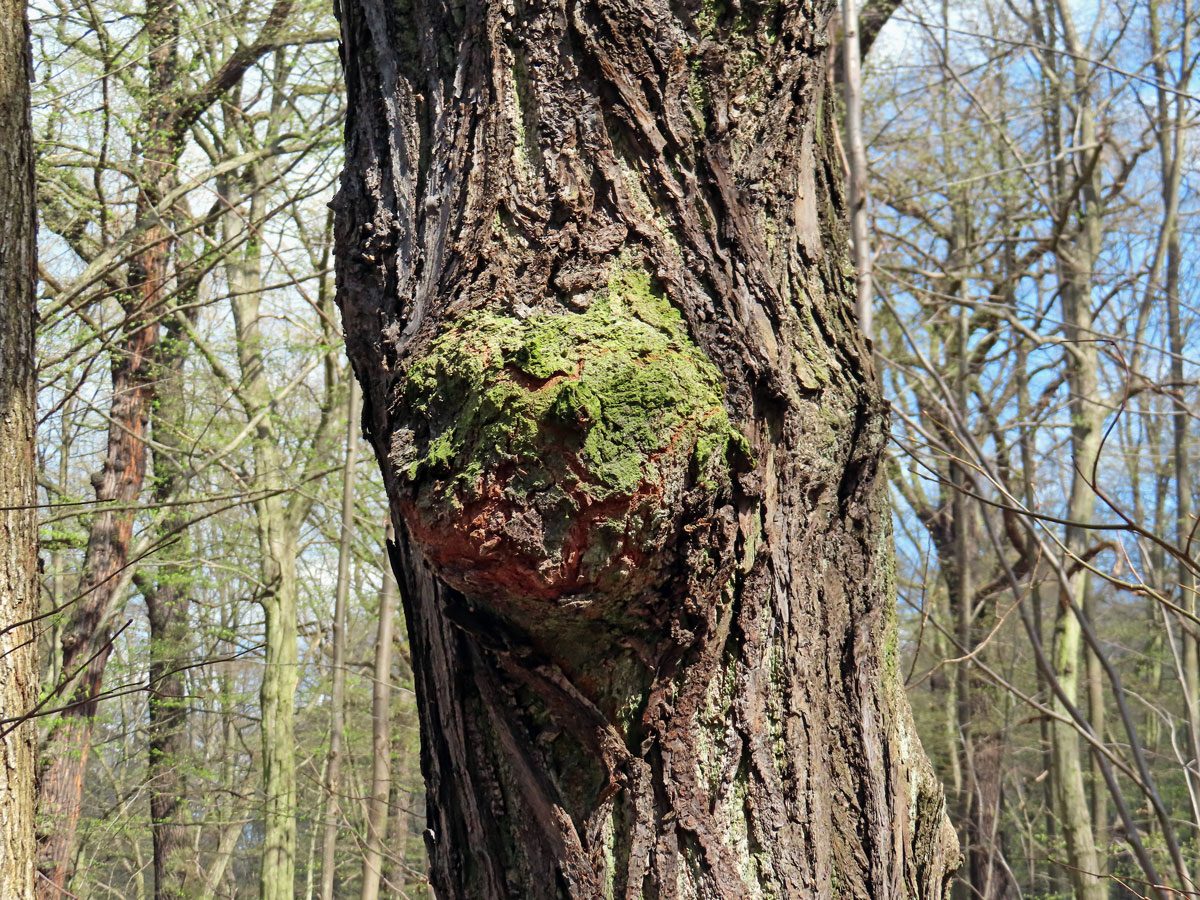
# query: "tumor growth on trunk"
x,y
568,461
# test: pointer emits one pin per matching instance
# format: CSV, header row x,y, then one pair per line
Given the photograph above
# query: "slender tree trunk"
x,y
277,697
1076,262
1171,130
85,642
86,637
168,597
1037,592
311,864
278,542
18,522
856,154
404,800
278,520
1076,816
51,643
590,265
381,741
337,699
976,746
948,686
962,593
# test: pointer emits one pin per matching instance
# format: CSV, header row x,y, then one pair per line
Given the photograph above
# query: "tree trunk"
x,y
18,522
86,638
278,517
278,545
856,157
337,693
381,741
1171,127
85,642
168,597
595,281
405,799
1079,825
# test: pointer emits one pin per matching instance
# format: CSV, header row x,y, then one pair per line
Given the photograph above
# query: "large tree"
x,y
18,526
169,113
596,286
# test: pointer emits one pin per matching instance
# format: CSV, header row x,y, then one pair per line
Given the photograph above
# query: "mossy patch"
x,y
620,381
552,451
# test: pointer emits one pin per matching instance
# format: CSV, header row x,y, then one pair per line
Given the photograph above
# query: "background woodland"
x,y
223,656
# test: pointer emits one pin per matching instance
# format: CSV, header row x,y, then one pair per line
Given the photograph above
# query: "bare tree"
x,y
87,639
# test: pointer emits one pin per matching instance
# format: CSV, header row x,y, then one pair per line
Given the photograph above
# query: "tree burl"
x,y
563,465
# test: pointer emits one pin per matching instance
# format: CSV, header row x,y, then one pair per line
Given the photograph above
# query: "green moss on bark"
x,y
623,377
550,453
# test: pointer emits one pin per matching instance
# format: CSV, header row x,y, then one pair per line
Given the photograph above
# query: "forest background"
x,y
226,608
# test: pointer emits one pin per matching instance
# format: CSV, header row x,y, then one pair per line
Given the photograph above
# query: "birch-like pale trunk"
x,y
278,542
381,740
856,157
337,693
279,514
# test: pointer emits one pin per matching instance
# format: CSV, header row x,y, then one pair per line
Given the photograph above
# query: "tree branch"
x,y
231,72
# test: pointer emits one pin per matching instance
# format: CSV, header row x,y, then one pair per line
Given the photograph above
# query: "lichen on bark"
x,y
548,457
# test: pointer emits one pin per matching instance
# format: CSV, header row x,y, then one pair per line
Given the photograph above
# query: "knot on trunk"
x,y
566,460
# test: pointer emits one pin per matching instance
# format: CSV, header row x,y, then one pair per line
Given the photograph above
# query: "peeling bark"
x,y
716,713
85,641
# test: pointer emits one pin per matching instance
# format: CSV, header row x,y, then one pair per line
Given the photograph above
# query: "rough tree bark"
x,y
596,285
18,524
